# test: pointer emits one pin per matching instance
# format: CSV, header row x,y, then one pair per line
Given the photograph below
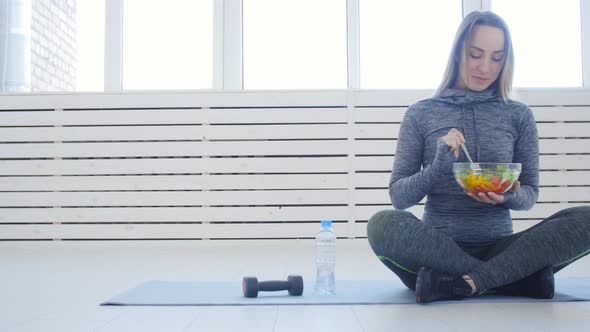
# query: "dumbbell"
x,y
251,286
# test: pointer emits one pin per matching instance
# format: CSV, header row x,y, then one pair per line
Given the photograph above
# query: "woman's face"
x,y
481,64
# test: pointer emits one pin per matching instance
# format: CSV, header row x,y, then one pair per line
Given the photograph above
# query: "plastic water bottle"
x,y
325,260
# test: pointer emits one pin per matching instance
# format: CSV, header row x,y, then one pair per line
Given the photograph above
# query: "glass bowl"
x,y
486,177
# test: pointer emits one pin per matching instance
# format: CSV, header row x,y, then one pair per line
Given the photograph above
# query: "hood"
x,y
465,96
467,100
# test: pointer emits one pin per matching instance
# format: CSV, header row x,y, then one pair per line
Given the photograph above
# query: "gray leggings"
x,y
404,244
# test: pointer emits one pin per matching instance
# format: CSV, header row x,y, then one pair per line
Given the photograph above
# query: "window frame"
x,y
228,42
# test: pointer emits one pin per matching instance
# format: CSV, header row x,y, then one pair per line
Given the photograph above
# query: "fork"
x,y
473,165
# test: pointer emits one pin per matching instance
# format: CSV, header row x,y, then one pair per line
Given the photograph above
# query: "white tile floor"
x,y
57,286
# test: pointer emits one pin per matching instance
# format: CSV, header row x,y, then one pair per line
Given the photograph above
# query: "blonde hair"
x,y
503,84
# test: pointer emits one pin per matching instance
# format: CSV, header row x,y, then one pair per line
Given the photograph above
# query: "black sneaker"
x,y
436,286
539,285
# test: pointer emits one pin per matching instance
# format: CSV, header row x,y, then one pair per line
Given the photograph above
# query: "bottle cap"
x,y
326,223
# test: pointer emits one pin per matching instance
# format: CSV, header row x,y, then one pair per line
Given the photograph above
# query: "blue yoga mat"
x,y
186,293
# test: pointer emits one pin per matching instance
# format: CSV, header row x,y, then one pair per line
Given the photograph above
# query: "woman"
x,y
464,245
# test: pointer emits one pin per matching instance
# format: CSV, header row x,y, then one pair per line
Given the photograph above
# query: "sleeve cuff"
x,y
508,197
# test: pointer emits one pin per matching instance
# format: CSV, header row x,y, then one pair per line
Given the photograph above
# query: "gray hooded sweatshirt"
x,y
494,131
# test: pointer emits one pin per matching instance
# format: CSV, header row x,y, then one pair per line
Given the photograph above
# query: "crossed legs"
x,y
404,244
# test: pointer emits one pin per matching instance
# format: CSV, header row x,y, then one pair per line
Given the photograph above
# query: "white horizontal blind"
x,y
205,168
231,165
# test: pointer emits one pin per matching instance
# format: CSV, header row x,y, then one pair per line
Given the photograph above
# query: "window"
x,y
90,45
294,44
272,44
406,44
547,44
167,44
51,46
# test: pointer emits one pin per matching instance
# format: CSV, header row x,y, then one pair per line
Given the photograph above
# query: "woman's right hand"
x,y
443,160
453,139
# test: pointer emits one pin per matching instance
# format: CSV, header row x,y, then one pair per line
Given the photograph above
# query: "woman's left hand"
x,y
493,198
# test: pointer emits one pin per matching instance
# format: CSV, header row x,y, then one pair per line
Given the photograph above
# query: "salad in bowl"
x,y
486,177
